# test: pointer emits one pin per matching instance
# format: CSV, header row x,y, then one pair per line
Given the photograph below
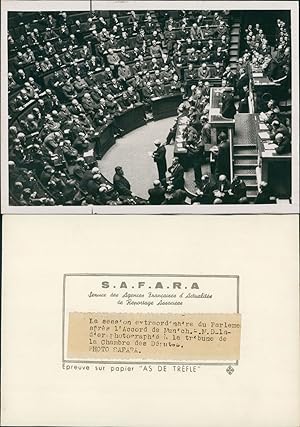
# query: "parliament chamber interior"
x,y
149,107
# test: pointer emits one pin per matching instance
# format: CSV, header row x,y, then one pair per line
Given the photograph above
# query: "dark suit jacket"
x,y
284,147
121,185
228,107
224,187
160,157
207,197
178,176
239,189
223,159
156,195
263,198
147,93
241,82
76,110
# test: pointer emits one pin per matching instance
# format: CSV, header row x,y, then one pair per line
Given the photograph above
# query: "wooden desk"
x,y
132,118
275,168
104,139
261,85
259,78
215,117
128,120
165,106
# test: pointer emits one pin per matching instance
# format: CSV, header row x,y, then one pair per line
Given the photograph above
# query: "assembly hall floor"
x,y
133,152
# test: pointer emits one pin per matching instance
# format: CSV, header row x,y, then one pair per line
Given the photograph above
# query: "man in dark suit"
x,y
230,76
223,157
177,174
170,38
238,189
190,73
283,144
68,91
222,189
196,150
264,195
20,77
121,184
156,194
242,81
76,108
158,88
278,127
205,194
147,92
90,107
159,156
228,109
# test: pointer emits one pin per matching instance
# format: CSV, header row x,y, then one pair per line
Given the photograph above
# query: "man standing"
x,y
228,109
205,132
223,157
177,174
121,184
159,156
196,149
242,81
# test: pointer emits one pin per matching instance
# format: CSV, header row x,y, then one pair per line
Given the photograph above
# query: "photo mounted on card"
x,y
143,107
154,312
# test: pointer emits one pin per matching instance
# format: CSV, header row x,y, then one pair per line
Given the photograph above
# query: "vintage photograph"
x,y
150,107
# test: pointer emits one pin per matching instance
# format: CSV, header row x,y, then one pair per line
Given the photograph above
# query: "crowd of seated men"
x,y
277,66
74,74
210,192
197,133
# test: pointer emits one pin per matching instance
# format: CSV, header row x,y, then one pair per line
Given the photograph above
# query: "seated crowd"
x,y
80,72
197,134
209,192
276,65
275,61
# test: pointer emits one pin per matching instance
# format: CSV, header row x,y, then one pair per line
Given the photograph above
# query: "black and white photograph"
x,y
125,108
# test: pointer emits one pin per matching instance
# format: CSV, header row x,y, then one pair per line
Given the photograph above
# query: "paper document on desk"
x,y
88,153
269,146
258,74
264,135
262,126
263,116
